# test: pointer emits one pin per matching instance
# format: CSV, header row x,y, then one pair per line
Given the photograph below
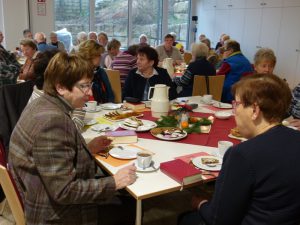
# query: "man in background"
x,y
55,42
27,34
40,39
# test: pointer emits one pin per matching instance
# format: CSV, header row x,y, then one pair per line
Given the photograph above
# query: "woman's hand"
x,y
125,176
295,123
98,144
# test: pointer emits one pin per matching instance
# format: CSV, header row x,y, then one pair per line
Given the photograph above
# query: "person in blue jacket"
x,y
234,66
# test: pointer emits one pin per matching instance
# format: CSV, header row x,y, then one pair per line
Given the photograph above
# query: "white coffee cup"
x,y
207,98
223,146
144,159
91,105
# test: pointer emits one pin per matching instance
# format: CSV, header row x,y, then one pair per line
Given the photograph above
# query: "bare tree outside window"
x,y
73,15
111,16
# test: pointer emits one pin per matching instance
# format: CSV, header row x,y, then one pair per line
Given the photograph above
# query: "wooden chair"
x,y
115,82
10,191
216,84
199,86
212,85
187,57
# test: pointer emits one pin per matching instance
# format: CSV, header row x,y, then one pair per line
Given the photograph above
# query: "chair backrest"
x,y
10,191
216,84
187,56
115,82
199,86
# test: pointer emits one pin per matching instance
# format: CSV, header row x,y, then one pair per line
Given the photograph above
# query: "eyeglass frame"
x,y
85,87
235,104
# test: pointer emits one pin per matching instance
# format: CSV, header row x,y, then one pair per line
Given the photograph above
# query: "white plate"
x,y
238,138
110,106
90,122
149,169
222,105
198,163
102,127
147,125
167,138
98,109
207,103
127,152
223,115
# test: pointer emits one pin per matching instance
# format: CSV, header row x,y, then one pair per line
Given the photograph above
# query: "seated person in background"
x,y
294,110
1,39
81,37
40,39
27,34
176,44
219,44
93,36
9,68
53,167
103,40
167,50
55,42
253,186
125,61
198,66
91,51
264,61
202,37
212,57
234,66
30,51
223,38
146,75
143,40
113,49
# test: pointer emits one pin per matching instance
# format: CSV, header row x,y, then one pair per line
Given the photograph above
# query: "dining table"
x,y
154,182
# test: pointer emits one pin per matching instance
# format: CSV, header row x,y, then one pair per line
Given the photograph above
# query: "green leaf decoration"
x,y
194,127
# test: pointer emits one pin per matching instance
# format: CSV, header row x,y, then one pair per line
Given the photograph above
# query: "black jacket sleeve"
x,y
232,191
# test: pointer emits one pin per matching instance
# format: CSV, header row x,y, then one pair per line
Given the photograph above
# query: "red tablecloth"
x,y
219,131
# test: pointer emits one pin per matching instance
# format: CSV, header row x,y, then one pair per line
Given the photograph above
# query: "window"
x,y
73,15
146,19
178,20
112,17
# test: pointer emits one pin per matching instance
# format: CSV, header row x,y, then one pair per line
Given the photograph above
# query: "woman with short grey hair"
x,y
198,66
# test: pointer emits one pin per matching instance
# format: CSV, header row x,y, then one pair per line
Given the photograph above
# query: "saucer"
x,y
90,122
101,127
156,165
223,115
98,108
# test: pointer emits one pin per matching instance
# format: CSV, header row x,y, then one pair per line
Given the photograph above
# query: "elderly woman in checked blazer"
x,y
53,166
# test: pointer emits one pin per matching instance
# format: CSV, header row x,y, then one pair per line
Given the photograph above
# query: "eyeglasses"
x,y
235,104
84,87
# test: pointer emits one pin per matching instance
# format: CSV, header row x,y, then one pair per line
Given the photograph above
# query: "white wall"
x,y
40,23
14,18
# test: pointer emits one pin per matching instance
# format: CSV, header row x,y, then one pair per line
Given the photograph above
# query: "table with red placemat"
x,y
157,183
